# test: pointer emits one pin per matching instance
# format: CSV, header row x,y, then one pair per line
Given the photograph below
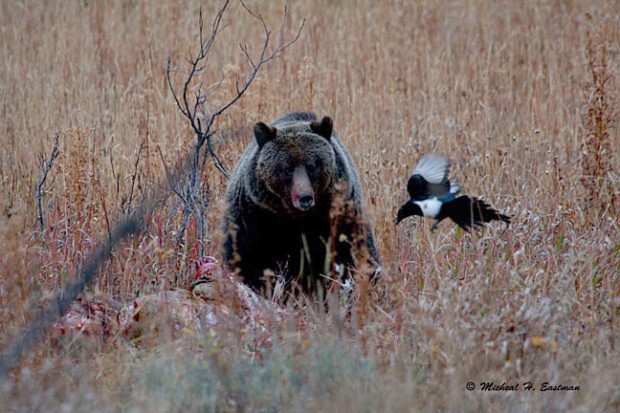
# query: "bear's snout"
x,y
305,201
303,193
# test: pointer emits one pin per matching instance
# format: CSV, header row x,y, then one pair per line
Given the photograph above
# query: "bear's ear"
x,y
323,128
264,133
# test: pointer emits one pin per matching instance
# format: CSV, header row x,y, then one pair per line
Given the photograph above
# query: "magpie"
x,y
434,196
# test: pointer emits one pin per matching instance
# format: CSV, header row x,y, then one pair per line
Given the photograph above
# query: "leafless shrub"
x,y
195,103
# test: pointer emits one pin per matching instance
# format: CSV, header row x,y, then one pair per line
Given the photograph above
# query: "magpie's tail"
x,y
472,212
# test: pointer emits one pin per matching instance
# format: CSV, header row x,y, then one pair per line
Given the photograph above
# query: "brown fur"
x,y
293,192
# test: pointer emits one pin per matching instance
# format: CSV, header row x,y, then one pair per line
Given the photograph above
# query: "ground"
x,y
523,97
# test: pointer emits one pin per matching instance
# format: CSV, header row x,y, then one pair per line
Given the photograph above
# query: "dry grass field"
x,y
523,96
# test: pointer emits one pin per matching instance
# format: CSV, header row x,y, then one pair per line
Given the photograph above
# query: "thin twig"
x,y
216,159
46,165
134,177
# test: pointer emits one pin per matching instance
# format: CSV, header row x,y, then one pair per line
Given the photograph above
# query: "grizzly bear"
x,y
294,208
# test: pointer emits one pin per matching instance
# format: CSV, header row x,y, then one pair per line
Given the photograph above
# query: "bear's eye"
x,y
281,172
315,166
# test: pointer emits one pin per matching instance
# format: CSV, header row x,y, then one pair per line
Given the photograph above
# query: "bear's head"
x,y
296,165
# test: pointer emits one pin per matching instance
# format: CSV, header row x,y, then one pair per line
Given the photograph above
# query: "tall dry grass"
x,y
522,96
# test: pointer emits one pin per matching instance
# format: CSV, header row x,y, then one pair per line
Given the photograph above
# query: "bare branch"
x,y
263,58
46,166
244,49
216,159
195,103
171,184
174,93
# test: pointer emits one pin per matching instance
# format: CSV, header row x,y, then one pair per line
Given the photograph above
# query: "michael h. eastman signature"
x,y
527,386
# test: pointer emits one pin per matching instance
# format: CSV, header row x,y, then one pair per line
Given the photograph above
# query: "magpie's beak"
x,y
408,209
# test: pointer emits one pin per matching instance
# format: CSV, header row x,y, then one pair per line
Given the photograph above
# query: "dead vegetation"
x,y
522,97
599,120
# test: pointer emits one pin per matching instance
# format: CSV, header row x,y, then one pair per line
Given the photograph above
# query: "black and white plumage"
x,y
434,196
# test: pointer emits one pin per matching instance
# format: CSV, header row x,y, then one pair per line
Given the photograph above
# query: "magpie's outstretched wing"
x,y
471,212
434,168
430,178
